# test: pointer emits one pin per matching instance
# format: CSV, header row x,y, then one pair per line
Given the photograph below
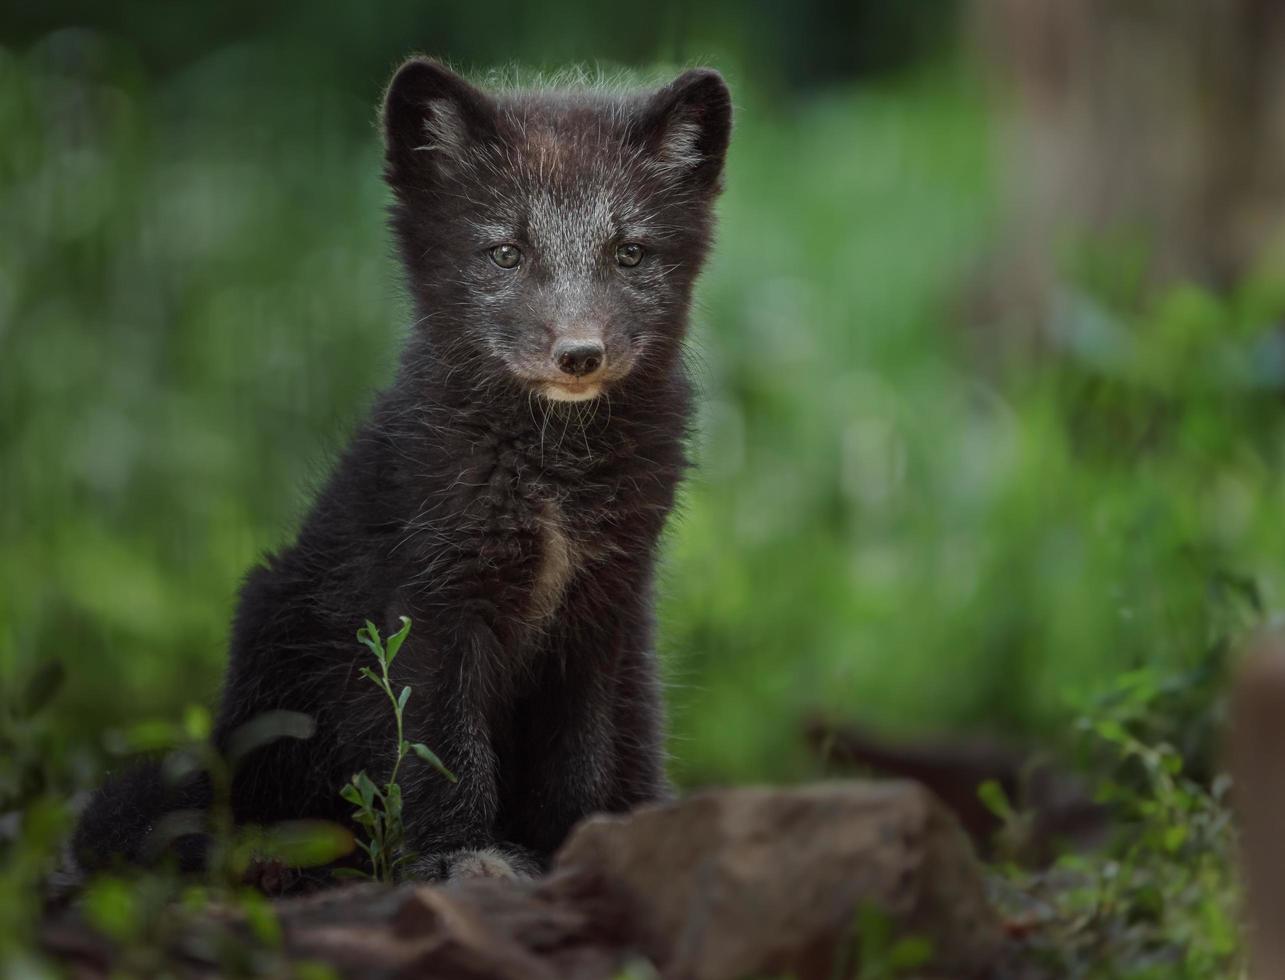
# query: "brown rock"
x,y
745,882
720,886
565,927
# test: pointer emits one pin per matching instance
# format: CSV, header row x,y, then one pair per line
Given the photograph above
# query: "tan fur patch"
x,y
558,562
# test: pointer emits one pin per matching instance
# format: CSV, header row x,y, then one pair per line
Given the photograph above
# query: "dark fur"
x,y
442,506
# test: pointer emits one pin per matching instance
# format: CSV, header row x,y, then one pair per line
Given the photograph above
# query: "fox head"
x,y
551,238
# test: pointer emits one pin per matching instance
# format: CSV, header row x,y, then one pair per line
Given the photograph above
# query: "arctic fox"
x,y
507,493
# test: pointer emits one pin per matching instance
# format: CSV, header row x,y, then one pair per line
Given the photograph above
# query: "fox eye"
x,y
506,256
629,254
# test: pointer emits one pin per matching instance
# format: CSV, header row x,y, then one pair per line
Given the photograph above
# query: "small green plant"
x,y
1161,899
379,809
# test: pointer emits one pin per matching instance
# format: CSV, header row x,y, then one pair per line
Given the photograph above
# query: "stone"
x,y
744,882
722,885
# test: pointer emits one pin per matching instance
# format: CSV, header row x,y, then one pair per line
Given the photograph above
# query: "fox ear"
x,y
686,127
431,117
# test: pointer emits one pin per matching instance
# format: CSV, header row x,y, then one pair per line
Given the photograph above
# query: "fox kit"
x,y
507,492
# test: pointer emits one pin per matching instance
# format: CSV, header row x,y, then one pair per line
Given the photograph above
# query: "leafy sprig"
x,y
379,808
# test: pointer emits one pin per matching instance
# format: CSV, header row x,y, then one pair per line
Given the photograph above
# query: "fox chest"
x,y
562,552
531,540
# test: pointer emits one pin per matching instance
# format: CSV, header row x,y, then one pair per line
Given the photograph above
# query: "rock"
x,y
567,927
720,886
748,882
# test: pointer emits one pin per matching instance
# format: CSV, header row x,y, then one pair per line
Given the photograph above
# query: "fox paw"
x,y
501,863
490,862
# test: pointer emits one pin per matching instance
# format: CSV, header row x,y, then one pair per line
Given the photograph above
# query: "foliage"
x,y
232,850
152,917
146,914
877,953
34,817
1161,899
379,808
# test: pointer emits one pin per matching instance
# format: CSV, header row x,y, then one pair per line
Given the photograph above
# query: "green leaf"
x,y
429,756
874,928
171,826
112,909
260,916
181,764
993,797
1174,838
1111,731
397,639
196,722
351,794
147,736
369,791
910,953
369,635
266,728
306,843
401,701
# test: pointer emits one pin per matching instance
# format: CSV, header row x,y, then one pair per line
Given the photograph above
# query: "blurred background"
x,y
990,349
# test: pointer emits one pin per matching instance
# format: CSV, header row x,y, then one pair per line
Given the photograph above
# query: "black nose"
x,y
578,357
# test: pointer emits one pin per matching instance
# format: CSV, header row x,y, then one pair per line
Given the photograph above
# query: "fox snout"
x,y
580,357
577,367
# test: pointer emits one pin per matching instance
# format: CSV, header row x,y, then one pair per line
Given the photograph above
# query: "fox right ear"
x,y
686,127
431,117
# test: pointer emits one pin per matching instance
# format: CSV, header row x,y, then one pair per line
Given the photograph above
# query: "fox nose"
x,y
578,357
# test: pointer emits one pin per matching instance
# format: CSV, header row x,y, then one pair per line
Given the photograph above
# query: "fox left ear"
x,y
431,118
687,125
